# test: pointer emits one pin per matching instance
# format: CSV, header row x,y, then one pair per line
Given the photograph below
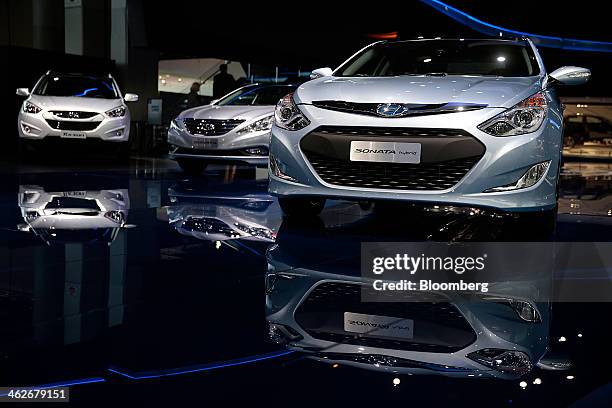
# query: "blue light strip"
x,y
61,384
497,31
195,369
85,92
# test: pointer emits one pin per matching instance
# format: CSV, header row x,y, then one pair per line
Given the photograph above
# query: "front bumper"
x,y
230,147
36,127
504,161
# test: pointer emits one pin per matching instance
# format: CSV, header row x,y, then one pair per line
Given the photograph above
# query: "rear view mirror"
x,y
23,92
321,72
130,97
571,75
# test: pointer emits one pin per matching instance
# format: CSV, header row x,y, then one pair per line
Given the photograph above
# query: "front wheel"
x,y
307,207
192,167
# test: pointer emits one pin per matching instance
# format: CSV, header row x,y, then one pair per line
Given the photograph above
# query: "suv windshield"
x,y
73,85
444,57
257,95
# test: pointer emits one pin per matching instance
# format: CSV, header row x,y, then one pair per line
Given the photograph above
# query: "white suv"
x,y
75,106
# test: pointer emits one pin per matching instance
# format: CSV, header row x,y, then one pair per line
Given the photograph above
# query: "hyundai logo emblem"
x,y
391,109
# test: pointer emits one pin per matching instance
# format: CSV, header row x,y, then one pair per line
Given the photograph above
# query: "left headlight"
x,y
29,107
258,126
288,115
117,112
524,117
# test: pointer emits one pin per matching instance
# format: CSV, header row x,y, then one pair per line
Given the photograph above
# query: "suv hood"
x,y
498,92
75,103
227,112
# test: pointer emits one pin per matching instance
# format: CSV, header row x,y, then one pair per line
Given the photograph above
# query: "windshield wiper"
x,y
438,74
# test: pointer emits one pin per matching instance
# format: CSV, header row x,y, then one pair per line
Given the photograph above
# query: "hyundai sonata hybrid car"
x,y
235,128
75,106
462,122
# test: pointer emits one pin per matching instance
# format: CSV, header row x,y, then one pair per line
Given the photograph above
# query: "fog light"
x,y
505,361
529,179
119,132
279,169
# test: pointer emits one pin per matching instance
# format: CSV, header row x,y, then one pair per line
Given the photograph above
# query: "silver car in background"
x,y
235,128
462,122
74,106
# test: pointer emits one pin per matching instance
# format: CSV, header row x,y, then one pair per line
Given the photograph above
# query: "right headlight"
x,y
288,116
29,107
524,117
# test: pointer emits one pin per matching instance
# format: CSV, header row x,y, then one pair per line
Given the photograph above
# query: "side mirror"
x,y
321,72
130,97
570,75
23,92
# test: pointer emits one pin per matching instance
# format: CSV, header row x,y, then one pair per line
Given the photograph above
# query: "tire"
x,y
302,207
192,167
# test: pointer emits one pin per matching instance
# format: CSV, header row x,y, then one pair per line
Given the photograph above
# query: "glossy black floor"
x,y
161,297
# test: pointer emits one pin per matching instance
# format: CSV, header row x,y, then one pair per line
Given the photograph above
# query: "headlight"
x,y
288,116
32,215
116,216
505,361
174,123
117,112
258,126
29,107
524,117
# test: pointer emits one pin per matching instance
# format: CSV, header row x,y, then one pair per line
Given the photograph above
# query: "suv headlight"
x,y
29,107
117,112
258,125
505,361
288,116
524,117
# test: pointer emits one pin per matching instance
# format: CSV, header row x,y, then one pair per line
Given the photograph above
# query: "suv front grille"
x,y
438,326
74,114
72,125
210,127
447,156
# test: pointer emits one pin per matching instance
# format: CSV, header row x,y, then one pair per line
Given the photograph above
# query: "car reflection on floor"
x,y
85,216
313,287
241,210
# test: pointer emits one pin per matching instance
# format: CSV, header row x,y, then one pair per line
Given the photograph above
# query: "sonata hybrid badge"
x,y
391,152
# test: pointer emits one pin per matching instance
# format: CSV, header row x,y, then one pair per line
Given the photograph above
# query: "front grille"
x,y
446,157
74,114
404,176
210,127
72,125
397,110
438,326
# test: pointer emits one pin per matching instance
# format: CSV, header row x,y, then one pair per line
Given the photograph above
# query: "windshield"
x,y
444,57
73,85
256,95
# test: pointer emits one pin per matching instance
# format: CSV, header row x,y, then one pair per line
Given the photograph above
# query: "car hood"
x,y
75,103
227,112
492,91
